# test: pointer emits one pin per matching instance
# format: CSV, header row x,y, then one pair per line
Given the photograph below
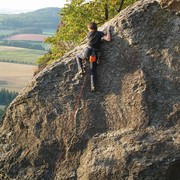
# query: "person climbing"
x,y
92,51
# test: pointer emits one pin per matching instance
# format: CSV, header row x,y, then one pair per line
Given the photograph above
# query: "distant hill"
x,y
42,18
14,11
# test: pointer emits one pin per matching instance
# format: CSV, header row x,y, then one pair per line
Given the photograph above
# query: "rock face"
x,y
128,129
170,4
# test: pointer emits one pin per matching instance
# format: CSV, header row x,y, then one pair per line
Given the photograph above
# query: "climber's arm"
x,y
107,37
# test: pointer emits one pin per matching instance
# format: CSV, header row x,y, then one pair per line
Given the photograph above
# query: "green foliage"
x,y
2,112
46,58
74,19
6,96
23,44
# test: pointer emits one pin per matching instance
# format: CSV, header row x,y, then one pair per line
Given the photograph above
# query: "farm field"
x,y
27,37
22,44
20,55
14,77
45,32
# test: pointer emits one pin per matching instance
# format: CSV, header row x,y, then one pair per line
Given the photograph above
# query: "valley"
x,y
22,44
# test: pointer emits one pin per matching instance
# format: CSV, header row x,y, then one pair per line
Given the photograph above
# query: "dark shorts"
x,y
85,55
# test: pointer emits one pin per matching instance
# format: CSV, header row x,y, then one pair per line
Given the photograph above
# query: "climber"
x,y
92,51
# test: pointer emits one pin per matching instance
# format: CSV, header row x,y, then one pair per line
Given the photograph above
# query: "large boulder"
x,y
128,129
170,4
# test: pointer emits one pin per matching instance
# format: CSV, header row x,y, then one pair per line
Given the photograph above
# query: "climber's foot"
x,y
93,89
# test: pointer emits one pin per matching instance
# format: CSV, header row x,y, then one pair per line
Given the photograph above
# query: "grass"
x,y
15,76
20,55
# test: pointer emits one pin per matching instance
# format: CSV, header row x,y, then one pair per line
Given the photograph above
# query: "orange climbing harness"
x,y
92,58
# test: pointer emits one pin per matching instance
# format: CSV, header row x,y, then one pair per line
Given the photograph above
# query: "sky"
x,y
30,4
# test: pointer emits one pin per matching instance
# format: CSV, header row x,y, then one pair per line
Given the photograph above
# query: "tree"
x,y
2,112
74,18
6,96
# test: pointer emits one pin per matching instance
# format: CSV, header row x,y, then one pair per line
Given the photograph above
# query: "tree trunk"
x,y
120,5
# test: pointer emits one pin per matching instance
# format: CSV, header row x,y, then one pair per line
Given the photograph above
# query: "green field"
x,y
19,55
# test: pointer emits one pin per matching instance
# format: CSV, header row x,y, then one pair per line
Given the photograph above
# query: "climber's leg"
x,y
79,63
81,60
93,74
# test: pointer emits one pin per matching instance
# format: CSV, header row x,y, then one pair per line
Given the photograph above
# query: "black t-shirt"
x,y
95,39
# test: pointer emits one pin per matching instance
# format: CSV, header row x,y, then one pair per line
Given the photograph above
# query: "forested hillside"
x,y
6,97
42,18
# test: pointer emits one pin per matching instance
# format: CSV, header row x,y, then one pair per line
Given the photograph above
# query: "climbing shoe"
x,y
93,89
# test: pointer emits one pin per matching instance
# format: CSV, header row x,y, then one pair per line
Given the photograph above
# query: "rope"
x,y
78,98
